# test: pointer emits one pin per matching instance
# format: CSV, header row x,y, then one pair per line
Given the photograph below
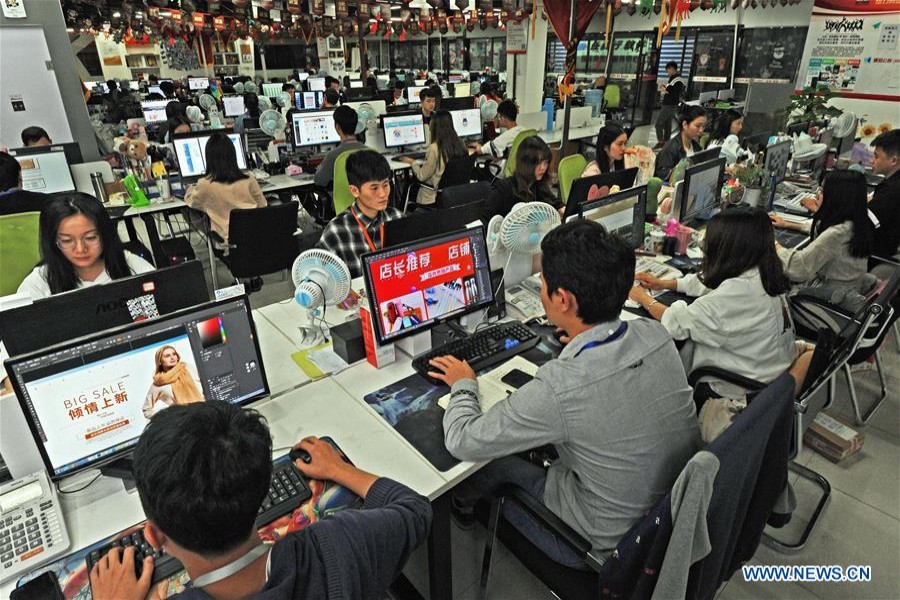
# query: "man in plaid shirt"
x,y
360,228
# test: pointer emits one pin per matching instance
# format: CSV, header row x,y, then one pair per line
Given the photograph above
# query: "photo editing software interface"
x,y
621,213
154,110
415,286
466,122
403,130
314,128
308,100
44,170
234,105
89,401
191,153
700,191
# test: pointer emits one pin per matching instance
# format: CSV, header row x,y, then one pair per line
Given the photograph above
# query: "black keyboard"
x,y
287,491
790,238
495,344
413,155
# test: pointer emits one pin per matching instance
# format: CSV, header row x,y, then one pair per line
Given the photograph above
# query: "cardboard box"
x,y
378,356
832,438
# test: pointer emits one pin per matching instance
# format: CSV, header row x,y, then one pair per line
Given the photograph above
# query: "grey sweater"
x,y
621,417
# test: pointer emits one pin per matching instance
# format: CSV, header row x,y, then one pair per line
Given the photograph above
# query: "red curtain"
x,y
558,13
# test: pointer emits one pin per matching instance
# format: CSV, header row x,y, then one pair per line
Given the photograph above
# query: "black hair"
x,y
672,64
595,266
202,471
722,127
399,85
332,96
9,172
508,109
347,119
889,142
365,166
176,121
168,88
605,137
32,134
251,104
443,133
329,80
740,239
112,85
61,275
285,87
844,199
532,151
430,92
175,109
688,114
221,162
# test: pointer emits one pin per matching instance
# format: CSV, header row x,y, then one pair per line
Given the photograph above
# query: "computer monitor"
x,y
95,308
705,155
315,84
457,103
134,86
271,89
454,79
756,142
154,110
87,401
190,149
725,94
357,83
314,128
587,189
403,130
412,93
798,128
621,213
467,123
700,191
44,169
419,82
778,155
155,89
362,93
462,89
308,100
427,223
198,83
234,106
706,97
415,286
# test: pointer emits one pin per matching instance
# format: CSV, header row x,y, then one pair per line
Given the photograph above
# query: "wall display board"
x,y
770,54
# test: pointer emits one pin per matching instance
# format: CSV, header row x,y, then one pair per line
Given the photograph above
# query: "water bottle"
x,y
549,109
99,188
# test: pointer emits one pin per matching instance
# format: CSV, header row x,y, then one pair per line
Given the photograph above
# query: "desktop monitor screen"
x,y
234,105
798,128
154,110
621,213
403,130
412,93
308,100
134,86
461,90
700,191
87,310
44,169
588,189
467,122
454,79
705,156
777,157
316,84
198,83
357,83
271,89
88,401
457,103
190,149
415,286
427,223
155,89
314,128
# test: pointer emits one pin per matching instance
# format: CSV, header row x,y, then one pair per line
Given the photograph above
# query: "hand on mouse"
x,y
561,336
325,462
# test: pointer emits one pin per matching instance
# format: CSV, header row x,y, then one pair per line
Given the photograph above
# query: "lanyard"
x,y
623,326
366,233
230,569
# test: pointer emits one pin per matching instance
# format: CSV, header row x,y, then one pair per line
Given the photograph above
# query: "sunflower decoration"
x,y
867,130
884,128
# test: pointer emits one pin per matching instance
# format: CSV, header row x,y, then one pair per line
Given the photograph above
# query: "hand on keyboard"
x,y
649,281
116,578
450,370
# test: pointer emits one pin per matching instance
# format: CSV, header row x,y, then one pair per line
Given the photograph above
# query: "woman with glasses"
x,y
79,247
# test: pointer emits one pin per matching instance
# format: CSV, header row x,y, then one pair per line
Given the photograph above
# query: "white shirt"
x,y
36,285
730,148
498,146
737,327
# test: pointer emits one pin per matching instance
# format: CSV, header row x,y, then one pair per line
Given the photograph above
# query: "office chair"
x,y
633,568
20,249
570,168
341,196
654,184
457,172
460,195
514,149
612,101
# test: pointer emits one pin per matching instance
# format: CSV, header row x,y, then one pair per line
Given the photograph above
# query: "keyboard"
x,y
411,155
484,348
790,238
792,205
287,490
655,268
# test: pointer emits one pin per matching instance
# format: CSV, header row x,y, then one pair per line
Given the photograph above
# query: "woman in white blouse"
x,y
739,321
725,136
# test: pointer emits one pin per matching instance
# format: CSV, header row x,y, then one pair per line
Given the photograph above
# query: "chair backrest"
x,y
457,172
570,168
341,195
19,249
460,195
653,187
884,312
514,149
612,95
262,239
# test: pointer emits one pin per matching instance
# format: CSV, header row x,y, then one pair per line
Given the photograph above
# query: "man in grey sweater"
x,y
615,404
345,120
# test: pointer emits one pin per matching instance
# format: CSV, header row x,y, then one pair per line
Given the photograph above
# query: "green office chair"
x,y
19,249
514,149
654,184
341,195
612,96
570,168
704,140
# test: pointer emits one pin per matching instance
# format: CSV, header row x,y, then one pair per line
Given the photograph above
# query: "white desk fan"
x,y
321,279
209,104
514,239
239,87
272,122
488,110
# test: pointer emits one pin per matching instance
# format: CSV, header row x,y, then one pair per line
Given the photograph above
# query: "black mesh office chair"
x,y
457,172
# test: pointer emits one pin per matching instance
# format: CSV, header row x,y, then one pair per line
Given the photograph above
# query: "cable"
x,y
82,488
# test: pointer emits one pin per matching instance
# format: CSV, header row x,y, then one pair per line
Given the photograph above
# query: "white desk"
x,y
575,134
282,372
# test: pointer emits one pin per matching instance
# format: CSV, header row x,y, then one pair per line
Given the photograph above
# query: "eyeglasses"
x,y
91,240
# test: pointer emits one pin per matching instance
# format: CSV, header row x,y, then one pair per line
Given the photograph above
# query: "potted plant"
x,y
810,104
750,178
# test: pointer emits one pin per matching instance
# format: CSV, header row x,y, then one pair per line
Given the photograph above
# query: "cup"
x,y
670,245
657,237
683,234
165,191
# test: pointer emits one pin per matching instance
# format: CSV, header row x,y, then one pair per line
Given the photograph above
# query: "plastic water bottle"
x,y
549,109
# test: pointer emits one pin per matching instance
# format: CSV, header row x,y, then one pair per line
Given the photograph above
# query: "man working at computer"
x,y
35,136
615,404
345,120
507,113
360,228
13,199
204,515
428,102
885,202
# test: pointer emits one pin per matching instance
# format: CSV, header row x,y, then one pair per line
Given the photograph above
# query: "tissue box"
x,y
832,438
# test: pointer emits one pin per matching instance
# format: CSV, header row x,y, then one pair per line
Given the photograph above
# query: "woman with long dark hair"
x,y
79,247
445,146
833,266
611,141
251,111
530,181
739,321
224,187
725,135
691,124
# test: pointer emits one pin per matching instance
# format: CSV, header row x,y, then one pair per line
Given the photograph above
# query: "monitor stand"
x,y
123,469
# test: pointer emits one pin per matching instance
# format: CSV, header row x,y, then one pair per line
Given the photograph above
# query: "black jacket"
x,y
18,201
886,206
505,198
671,155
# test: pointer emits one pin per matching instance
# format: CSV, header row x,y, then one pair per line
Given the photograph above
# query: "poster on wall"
x,y
852,47
13,9
770,55
516,38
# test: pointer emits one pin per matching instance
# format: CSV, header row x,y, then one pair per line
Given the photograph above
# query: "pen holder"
x,y
683,235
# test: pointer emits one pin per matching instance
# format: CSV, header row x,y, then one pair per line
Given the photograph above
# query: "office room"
x,y
449,299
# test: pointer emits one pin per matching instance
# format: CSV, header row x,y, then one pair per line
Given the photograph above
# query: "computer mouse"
x,y
301,454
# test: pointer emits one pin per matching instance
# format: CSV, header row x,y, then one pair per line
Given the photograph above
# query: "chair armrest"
x,y
545,517
888,261
744,382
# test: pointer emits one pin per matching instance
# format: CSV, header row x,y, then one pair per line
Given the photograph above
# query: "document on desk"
x,y
491,388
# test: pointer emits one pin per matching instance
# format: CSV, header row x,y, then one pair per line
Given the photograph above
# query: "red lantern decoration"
x,y
198,20
219,23
293,7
